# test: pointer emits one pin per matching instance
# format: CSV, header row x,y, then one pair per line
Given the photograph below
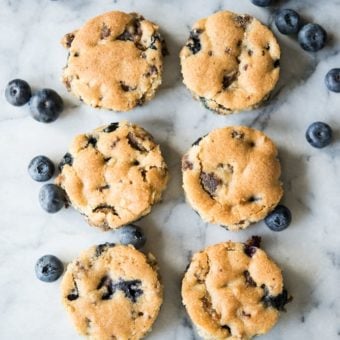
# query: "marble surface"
x,y
309,251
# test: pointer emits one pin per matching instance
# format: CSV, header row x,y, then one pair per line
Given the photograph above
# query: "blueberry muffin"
x,y
113,175
231,62
114,61
232,176
233,291
112,292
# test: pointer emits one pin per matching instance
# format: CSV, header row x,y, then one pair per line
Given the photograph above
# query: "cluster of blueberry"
x,y
52,198
49,268
45,105
312,38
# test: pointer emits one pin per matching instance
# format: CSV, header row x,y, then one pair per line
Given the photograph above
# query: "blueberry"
x,y
312,37
111,127
287,21
194,43
18,92
262,3
41,168
319,135
279,219
51,198
46,105
49,268
332,80
131,288
278,302
131,234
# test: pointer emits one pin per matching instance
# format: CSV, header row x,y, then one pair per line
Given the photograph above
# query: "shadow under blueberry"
x,y
335,138
295,183
301,290
70,107
296,67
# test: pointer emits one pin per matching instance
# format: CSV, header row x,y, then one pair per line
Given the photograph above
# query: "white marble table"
x,y
309,251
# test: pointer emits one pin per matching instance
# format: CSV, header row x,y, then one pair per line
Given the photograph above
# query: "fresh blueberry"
x,y
46,105
41,168
312,37
49,268
287,21
319,135
262,3
131,234
279,219
18,92
51,198
332,80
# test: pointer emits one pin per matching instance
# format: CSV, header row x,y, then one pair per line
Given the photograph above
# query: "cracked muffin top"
x,y
232,176
115,61
113,175
112,292
233,291
231,62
